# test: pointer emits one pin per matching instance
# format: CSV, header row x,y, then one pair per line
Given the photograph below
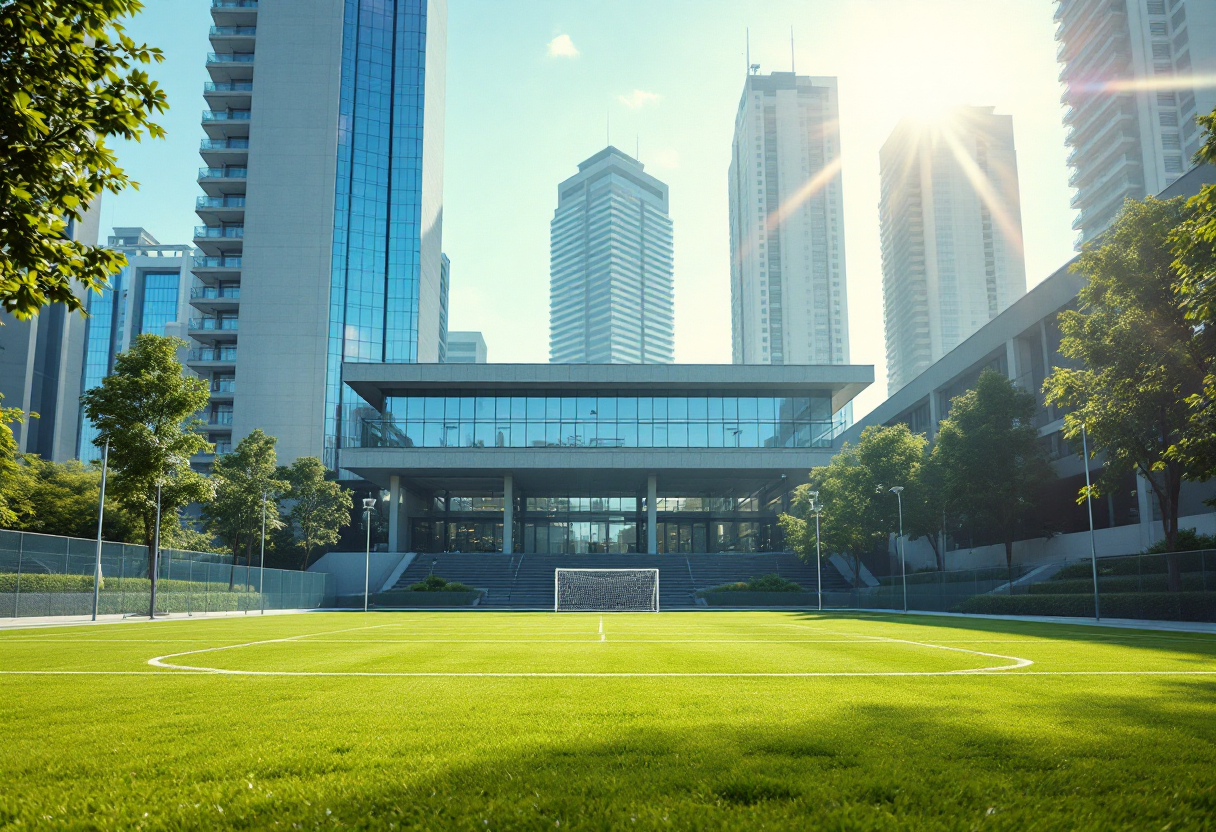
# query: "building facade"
x,y
466,348
951,229
152,294
789,300
41,362
1023,344
592,458
445,286
1136,73
322,206
611,272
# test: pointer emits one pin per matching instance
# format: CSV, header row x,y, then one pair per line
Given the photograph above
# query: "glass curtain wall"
x,y
601,422
103,334
377,213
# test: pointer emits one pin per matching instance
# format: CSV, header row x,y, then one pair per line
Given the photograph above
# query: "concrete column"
x,y
508,515
934,416
652,514
394,513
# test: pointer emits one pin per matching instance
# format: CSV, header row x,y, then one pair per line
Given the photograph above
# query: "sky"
x,y
533,87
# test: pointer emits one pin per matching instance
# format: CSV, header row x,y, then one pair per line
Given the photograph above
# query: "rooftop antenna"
x,y
792,51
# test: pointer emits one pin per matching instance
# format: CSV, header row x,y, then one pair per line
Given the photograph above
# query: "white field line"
x,y
182,671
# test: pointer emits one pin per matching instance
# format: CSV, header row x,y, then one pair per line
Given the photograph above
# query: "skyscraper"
x,y
611,279
951,229
151,294
466,348
322,208
40,365
1129,69
789,303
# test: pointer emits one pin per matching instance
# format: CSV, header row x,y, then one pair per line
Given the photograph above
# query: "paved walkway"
x,y
78,620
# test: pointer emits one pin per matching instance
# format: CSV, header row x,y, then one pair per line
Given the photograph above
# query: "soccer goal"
x,y
606,590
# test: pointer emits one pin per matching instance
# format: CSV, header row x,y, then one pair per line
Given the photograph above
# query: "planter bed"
x,y
408,598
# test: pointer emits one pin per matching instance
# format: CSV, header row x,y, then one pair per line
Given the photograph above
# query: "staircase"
x,y
526,581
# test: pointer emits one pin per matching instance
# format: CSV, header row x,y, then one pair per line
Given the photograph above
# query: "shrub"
x,y
434,583
41,582
764,583
1187,540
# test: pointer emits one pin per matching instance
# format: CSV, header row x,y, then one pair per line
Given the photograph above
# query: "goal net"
x,y
606,590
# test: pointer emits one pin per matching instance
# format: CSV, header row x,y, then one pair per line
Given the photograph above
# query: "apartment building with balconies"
x,y
320,219
1136,73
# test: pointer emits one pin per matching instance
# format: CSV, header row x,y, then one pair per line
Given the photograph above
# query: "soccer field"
x,y
698,720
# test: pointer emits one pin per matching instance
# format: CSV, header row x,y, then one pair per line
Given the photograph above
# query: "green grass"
x,y
129,746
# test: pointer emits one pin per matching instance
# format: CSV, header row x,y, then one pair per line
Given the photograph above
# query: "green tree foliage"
x,y
925,507
146,409
319,506
988,458
1139,359
859,512
8,462
1194,244
246,482
69,79
61,498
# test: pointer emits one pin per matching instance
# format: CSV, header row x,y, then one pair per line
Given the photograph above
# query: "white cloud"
x,y
562,47
638,98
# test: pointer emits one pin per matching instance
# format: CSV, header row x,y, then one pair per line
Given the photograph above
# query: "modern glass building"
x,y
322,203
611,273
151,295
592,458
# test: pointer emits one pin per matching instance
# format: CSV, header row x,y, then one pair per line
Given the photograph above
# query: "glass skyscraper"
x,y
611,295
323,206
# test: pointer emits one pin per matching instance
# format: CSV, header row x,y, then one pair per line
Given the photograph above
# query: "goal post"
x,y
606,590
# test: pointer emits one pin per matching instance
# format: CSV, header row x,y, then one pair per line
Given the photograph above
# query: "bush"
x,y
1127,583
109,603
41,582
1156,606
1187,540
764,583
434,583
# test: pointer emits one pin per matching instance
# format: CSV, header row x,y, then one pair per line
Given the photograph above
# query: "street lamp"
x,y
369,503
817,509
262,558
898,491
1089,504
156,550
101,514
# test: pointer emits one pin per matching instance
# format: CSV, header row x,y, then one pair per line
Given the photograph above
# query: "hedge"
x,y
109,603
42,582
1139,565
1156,606
412,598
764,583
740,598
1155,582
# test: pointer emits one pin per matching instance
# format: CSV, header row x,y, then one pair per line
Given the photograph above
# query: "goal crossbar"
x,y
605,590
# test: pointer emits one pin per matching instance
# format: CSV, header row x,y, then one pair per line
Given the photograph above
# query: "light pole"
x,y
101,513
1089,504
369,503
817,509
155,551
262,558
898,491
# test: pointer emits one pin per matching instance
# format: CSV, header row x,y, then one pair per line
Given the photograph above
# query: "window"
x,y
1156,7
1157,28
1173,164
1169,118
1167,99
1170,141
1161,51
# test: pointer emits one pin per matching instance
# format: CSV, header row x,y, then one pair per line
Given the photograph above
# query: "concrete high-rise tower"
x,y
951,228
789,303
322,208
611,278
1129,70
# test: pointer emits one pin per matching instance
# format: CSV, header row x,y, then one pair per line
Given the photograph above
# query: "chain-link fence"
x,y
1175,587
46,575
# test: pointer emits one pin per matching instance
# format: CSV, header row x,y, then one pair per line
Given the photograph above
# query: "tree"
x,y
925,508
320,507
1141,361
146,410
990,460
246,481
1194,246
8,462
61,498
69,79
859,512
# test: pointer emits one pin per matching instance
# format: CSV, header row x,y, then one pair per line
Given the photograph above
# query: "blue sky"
x,y
520,116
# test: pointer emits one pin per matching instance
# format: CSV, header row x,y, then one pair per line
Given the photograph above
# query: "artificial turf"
x,y
1107,729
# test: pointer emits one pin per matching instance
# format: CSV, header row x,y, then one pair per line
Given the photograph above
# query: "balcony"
x,y
223,173
210,355
219,241
223,182
224,144
216,262
214,324
229,58
234,4
223,385
217,202
234,31
226,115
215,293
206,232
220,417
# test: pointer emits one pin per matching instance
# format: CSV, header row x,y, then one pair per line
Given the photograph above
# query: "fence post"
x,y
17,590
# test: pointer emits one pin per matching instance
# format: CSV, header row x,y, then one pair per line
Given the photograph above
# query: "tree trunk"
x,y
150,541
1167,501
236,547
1009,559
